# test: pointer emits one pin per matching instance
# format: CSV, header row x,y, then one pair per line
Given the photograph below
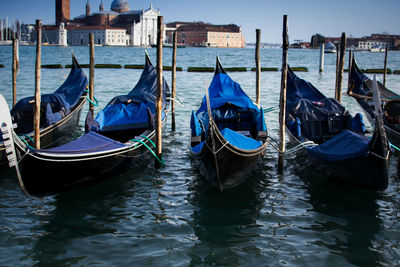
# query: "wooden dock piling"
x,y
36,120
340,68
349,68
282,101
385,66
173,95
159,90
14,71
91,73
258,66
321,57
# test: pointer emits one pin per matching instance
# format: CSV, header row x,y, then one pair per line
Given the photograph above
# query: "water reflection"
x,y
351,220
222,221
81,221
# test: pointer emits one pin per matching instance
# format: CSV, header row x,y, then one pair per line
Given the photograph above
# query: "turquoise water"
x,y
171,217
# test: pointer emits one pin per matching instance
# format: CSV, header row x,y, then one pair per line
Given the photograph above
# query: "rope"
x,y
177,100
293,149
145,137
95,103
271,109
395,147
263,147
151,151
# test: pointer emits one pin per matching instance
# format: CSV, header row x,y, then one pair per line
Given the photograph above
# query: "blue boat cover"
x,y
240,141
346,145
225,92
90,142
54,106
197,148
298,89
195,125
132,110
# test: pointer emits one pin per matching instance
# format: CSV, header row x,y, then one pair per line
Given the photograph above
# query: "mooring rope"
x,y
151,151
95,103
177,100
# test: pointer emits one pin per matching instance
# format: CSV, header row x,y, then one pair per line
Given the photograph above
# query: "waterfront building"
x,y
206,35
117,26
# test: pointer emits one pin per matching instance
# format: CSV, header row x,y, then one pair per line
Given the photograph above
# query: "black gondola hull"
x,y
55,134
368,172
49,175
234,165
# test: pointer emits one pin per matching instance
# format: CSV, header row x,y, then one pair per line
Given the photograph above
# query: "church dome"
x,y
119,6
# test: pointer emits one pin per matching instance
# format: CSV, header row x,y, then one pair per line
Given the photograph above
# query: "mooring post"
x,y
174,43
14,71
36,120
282,101
159,90
340,66
321,57
349,69
258,66
385,67
91,73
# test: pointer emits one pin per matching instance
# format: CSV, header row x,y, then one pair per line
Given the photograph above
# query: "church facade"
x,y
118,26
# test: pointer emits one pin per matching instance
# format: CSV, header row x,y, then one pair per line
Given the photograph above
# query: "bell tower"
x,y
62,11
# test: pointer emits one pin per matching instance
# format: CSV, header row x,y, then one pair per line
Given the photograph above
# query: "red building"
x,y
206,35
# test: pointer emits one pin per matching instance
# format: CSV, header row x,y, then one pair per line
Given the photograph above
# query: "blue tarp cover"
x,y
87,143
346,145
239,140
55,105
197,148
224,90
123,115
195,125
298,89
122,112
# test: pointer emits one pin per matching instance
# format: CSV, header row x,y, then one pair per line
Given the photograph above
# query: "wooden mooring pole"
x,y
340,67
91,73
321,57
159,90
174,44
14,71
258,66
282,101
349,69
36,120
385,67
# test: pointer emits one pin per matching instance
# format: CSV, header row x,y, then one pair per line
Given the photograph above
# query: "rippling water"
x,y
171,217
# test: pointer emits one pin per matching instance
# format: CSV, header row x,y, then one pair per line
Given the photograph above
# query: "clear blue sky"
x,y
330,18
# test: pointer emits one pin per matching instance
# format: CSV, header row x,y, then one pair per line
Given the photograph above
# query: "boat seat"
x,y
194,140
245,133
261,135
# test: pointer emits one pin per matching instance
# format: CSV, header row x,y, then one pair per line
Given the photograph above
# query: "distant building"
x,y
206,35
117,26
369,42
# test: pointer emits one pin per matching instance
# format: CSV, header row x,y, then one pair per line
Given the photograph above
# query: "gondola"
x,y
338,144
59,112
122,134
360,87
227,145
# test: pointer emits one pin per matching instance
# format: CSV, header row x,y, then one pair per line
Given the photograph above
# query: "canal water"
x,y
170,216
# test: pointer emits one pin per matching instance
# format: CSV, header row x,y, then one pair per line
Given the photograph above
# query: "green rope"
x,y
152,152
95,103
26,136
26,142
154,145
271,109
395,147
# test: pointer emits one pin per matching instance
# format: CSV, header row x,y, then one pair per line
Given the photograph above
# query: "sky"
x,y
330,18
